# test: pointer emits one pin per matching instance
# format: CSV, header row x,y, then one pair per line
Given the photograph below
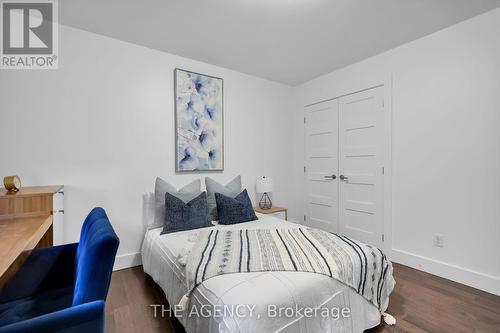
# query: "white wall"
x,y
445,146
102,125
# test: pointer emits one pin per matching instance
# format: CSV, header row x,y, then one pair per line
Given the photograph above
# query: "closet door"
x,y
361,147
321,165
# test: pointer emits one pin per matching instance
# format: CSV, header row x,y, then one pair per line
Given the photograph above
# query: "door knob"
x,y
331,177
342,177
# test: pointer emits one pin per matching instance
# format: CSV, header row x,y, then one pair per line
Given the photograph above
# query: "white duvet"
x,y
263,294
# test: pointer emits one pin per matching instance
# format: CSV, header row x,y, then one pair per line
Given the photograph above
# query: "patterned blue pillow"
x,y
181,216
237,210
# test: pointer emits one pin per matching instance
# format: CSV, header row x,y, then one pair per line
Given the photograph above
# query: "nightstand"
x,y
276,211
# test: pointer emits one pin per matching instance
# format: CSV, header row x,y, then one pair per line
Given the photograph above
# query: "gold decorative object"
x,y
12,183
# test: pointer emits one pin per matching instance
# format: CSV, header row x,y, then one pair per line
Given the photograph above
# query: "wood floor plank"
x,y
421,303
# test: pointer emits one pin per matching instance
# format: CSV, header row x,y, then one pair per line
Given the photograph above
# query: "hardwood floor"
x,y
421,302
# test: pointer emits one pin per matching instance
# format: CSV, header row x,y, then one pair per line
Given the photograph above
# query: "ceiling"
x,y
288,41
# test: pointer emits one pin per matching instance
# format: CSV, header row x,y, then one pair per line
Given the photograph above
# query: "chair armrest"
x,y
44,269
84,318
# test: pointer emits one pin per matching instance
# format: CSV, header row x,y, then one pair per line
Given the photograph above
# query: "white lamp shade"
x,y
264,184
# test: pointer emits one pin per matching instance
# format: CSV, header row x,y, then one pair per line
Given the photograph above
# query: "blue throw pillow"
x,y
231,189
186,194
180,216
237,210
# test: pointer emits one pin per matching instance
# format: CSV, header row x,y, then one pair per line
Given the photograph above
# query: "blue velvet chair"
x,y
63,288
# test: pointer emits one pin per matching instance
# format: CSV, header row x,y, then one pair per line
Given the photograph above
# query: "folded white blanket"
x,y
360,266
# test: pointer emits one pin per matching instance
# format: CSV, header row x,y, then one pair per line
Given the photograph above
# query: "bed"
x,y
164,257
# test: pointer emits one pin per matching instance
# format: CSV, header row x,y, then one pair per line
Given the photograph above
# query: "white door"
x,y
361,148
321,165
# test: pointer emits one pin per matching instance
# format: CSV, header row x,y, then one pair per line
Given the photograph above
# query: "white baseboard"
x,y
127,261
482,281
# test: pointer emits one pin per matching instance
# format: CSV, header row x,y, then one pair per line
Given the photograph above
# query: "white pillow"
x,y
148,210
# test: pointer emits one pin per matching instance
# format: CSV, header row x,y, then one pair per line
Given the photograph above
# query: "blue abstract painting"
x,y
199,122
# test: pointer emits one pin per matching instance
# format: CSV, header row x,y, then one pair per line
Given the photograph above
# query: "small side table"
x,y
276,211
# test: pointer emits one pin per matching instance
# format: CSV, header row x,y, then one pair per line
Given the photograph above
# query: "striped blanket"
x,y
363,267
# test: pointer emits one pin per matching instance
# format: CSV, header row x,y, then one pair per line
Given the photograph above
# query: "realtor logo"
x,y
29,34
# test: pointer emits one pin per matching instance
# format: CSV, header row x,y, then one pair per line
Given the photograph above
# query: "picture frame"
x,y
199,122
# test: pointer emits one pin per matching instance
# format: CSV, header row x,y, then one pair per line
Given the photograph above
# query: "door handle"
x,y
344,178
331,177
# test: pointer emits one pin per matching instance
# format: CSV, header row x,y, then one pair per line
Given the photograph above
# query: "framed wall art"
x,y
199,122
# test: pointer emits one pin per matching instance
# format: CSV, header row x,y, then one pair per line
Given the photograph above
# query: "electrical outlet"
x,y
438,240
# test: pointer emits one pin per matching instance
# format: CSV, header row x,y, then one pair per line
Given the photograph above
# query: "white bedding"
x,y
163,259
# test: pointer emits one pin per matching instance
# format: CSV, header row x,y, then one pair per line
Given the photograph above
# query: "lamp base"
x,y
265,202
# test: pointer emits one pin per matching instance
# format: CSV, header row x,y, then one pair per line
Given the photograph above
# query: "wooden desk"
x,y
28,201
18,236
32,201
28,219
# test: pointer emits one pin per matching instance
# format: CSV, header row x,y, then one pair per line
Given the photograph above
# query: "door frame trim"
x,y
387,83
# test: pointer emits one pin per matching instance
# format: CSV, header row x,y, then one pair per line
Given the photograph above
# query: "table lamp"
x,y
264,185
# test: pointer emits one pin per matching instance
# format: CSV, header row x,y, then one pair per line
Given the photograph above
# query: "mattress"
x,y
254,302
